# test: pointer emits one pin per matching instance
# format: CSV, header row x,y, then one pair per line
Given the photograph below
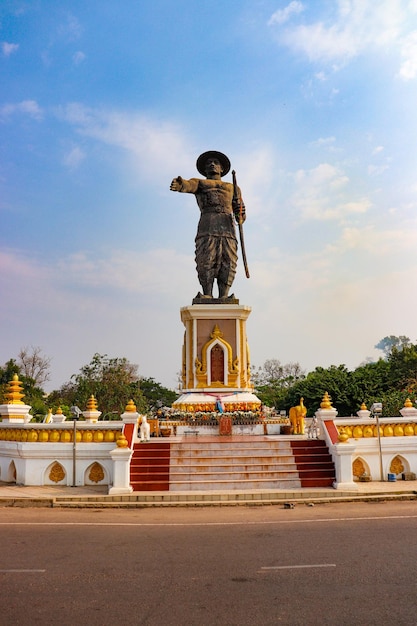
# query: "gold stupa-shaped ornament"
x,y
14,392
408,404
91,414
14,409
326,402
130,407
92,403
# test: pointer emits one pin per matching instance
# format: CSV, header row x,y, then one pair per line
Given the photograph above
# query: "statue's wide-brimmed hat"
x,y
213,154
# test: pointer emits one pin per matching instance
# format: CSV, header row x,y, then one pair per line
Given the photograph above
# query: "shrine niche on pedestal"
x,y
215,359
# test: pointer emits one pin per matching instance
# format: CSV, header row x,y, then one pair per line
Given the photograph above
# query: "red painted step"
x,y
149,466
314,463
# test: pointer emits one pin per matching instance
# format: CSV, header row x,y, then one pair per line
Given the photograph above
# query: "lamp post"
x,y
75,412
376,409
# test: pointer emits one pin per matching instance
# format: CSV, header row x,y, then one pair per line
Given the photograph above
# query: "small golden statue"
x,y
297,418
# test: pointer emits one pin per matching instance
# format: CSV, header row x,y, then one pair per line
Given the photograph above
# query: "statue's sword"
x,y
238,197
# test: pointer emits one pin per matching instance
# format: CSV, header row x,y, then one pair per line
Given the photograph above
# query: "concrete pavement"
x,y
97,496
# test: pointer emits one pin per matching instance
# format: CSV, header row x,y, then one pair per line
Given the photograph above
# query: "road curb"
x,y
146,501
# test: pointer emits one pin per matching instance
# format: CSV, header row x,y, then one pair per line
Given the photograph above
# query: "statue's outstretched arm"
x,y
183,185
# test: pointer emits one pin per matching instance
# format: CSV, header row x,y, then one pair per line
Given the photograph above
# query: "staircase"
x,y
314,463
149,466
230,463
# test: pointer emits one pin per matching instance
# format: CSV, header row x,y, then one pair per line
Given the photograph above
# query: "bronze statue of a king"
x,y
220,206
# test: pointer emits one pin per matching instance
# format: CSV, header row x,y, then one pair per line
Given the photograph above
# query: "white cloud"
x,y
326,143
78,57
86,303
376,170
74,157
9,48
353,28
283,15
408,69
15,267
27,107
257,177
154,146
71,29
322,194
158,271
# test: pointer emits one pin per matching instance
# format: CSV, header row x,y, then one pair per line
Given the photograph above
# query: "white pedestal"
x,y
15,413
342,458
121,471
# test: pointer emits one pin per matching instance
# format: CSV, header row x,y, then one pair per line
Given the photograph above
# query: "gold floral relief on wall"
x,y
358,468
96,474
396,466
57,473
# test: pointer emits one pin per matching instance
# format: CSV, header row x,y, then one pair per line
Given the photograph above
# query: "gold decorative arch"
x,y
56,472
96,473
216,338
397,465
359,468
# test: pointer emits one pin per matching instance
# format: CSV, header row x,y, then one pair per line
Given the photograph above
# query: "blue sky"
x,y
102,103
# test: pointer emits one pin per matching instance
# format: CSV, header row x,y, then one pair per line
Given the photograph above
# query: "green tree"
x,y
334,380
368,383
403,367
156,395
393,401
113,382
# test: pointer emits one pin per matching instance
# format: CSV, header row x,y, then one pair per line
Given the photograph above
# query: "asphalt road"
x,y
335,564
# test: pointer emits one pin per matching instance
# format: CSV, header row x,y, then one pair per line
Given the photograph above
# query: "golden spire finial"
x,y
408,404
59,411
14,393
92,403
363,407
326,402
130,407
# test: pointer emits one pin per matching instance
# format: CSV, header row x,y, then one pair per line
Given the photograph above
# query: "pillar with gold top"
x,y
363,412
14,410
122,454
58,417
326,410
130,419
91,414
408,410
